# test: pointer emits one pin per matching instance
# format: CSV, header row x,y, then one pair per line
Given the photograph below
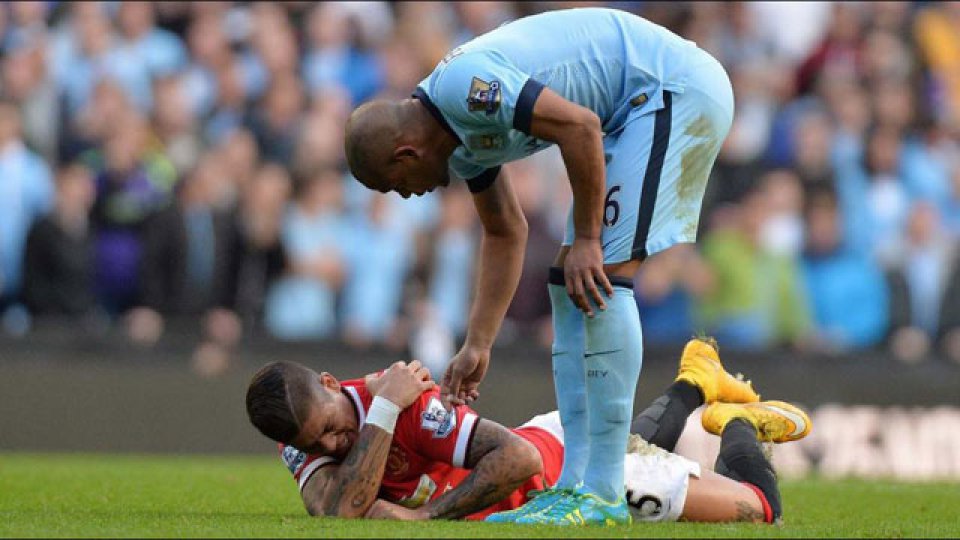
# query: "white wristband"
x,y
383,413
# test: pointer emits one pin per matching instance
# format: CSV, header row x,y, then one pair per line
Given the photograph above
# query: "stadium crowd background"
x,y
181,163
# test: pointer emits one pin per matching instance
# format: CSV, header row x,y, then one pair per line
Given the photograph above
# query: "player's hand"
x,y
382,509
582,271
461,381
372,382
402,383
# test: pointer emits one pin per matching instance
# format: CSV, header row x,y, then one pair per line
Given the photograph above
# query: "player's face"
x,y
330,429
417,176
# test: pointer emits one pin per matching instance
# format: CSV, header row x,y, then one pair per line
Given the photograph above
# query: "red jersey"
x,y
428,452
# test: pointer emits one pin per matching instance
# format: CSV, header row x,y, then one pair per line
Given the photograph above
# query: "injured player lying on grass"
x,y
385,447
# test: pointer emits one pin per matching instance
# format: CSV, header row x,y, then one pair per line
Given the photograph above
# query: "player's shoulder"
x,y
428,413
458,70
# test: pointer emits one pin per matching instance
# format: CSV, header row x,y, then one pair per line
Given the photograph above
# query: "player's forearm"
x,y
353,489
501,263
493,479
582,151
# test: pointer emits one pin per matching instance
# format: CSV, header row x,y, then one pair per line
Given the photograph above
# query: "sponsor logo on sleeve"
x,y
438,420
484,96
293,458
487,141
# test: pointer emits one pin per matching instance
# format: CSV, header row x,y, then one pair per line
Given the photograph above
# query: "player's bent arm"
x,y
579,135
349,489
500,461
501,260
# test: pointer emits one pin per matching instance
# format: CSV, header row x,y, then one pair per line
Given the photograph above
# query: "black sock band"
x,y
742,459
663,421
555,277
691,396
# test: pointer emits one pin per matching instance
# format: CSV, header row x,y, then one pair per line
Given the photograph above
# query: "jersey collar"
x,y
422,96
354,396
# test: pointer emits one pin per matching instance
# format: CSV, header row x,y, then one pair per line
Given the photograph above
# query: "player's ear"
x,y
405,152
329,381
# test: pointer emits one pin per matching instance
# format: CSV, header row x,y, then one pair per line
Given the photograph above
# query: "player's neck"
x,y
429,133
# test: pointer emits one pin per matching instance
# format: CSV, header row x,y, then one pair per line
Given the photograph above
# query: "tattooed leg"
x,y
741,458
715,498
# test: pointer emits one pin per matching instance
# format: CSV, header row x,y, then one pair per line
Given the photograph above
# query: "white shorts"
x,y
656,481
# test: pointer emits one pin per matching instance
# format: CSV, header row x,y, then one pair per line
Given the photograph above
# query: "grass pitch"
x,y
51,495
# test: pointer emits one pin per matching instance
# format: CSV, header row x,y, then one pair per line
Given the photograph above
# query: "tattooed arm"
x,y
350,488
501,462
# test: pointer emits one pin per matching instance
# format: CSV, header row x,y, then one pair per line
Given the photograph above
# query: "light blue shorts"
x,y
658,165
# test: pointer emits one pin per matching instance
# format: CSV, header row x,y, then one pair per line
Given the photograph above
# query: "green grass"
x,y
148,496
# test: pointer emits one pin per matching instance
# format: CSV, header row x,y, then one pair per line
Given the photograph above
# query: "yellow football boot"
x,y
700,366
776,421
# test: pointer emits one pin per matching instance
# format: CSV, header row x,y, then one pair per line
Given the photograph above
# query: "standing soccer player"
x,y
639,115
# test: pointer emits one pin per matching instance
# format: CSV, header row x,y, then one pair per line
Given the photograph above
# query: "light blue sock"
x,y
613,358
569,380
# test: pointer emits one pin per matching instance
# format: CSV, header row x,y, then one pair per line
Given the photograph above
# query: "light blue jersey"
x,y
664,104
606,60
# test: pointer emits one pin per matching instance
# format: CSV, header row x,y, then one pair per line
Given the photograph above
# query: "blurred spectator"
x,y
667,288
90,52
27,23
848,293
25,81
26,194
58,266
937,31
529,311
175,125
380,258
481,17
134,179
228,111
301,305
454,250
257,258
184,253
756,298
276,126
838,51
90,127
792,28
273,52
336,56
949,317
951,206
923,280
240,159
320,145
209,52
159,50
812,136
872,196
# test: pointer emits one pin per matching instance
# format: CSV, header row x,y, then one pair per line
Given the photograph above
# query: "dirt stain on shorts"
x,y
695,164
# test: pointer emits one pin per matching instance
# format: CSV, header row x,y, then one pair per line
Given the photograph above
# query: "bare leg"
x,y
714,498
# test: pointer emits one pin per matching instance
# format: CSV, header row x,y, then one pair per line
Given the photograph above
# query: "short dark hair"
x,y
278,399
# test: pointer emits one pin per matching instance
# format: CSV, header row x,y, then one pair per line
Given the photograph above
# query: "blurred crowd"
x,y
180,161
